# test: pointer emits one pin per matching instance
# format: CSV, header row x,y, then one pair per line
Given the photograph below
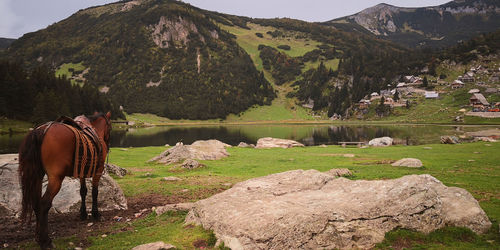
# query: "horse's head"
x,y
102,124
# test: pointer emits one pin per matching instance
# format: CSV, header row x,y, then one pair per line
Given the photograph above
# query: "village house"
x,y
466,78
457,84
478,100
364,104
431,95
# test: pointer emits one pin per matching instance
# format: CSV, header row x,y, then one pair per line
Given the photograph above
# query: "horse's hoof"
x,y
83,216
47,244
96,216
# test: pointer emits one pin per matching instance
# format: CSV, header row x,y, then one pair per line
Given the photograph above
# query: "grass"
x,y
250,42
13,126
65,70
472,166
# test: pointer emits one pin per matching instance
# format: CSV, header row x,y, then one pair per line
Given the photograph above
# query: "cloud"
x,y
8,20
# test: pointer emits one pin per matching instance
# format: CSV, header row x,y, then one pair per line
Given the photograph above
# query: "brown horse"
x,y
50,149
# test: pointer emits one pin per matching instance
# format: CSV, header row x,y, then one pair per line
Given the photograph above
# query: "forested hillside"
x,y
161,57
39,96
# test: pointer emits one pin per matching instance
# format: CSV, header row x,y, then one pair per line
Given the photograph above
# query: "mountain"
x,y
5,42
157,56
437,26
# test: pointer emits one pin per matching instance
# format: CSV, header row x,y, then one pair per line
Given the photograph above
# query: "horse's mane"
x,y
95,116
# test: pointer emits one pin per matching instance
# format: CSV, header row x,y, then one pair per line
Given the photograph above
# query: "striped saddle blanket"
x,y
88,160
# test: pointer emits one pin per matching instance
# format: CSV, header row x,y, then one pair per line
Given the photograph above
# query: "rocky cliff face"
x,y
428,26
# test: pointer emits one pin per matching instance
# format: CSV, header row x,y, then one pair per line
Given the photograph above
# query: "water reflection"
x,y
234,134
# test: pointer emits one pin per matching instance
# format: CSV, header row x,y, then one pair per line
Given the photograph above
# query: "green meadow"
x,y
472,166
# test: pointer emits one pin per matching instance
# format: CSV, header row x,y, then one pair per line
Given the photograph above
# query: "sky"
x,y
18,17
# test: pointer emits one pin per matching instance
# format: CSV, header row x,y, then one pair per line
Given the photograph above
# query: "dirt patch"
x,y
64,225
200,244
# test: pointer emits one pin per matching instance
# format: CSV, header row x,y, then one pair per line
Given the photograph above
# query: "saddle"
x,y
88,160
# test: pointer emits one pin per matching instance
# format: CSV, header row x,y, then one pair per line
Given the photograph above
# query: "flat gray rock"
x,y
408,162
313,210
268,142
159,245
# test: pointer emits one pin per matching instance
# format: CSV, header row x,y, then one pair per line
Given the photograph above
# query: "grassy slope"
x,y
64,70
472,166
8,125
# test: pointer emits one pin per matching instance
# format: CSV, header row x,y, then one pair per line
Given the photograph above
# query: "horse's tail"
x,y
31,172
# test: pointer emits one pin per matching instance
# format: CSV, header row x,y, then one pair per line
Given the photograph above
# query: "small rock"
x,y
90,224
144,210
78,248
154,246
124,149
484,138
487,145
245,145
339,172
191,164
449,140
364,146
322,146
167,145
116,170
477,152
349,155
104,236
427,147
408,162
148,174
71,243
381,142
268,142
185,190
5,245
472,160
128,220
137,215
172,207
171,178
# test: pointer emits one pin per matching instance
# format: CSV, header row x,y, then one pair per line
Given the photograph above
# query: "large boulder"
x,y
381,142
313,210
199,150
116,170
67,200
268,142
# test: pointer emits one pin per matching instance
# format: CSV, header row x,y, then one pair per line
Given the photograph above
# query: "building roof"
x,y
472,91
480,98
374,94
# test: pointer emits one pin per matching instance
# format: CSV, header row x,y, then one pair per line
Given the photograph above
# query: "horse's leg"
x,y
83,194
95,192
53,187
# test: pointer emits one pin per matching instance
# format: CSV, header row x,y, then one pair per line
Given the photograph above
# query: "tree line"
x,y
38,95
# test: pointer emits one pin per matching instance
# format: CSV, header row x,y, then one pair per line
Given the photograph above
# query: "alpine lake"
x,y
309,135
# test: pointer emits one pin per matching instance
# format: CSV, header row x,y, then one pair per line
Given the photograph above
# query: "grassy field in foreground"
x,y
473,166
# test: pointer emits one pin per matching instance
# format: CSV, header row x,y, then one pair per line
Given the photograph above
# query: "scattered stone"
x,y
116,170
313,210
137,215
78,248
171,178
172,207
104,236
199,150
339,172
185,190
90,224
148,174
477,152
381,142
268,142
159,245
71,243
5,245
322,146
408,162
449,140
245,145
67,200
349,155
427,147
167,145
124,149
191,164
472,160
486,139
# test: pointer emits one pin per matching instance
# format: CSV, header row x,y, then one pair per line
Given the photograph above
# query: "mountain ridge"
x,y
432,26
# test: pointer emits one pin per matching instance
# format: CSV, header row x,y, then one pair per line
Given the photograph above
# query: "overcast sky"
x,y
18,17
